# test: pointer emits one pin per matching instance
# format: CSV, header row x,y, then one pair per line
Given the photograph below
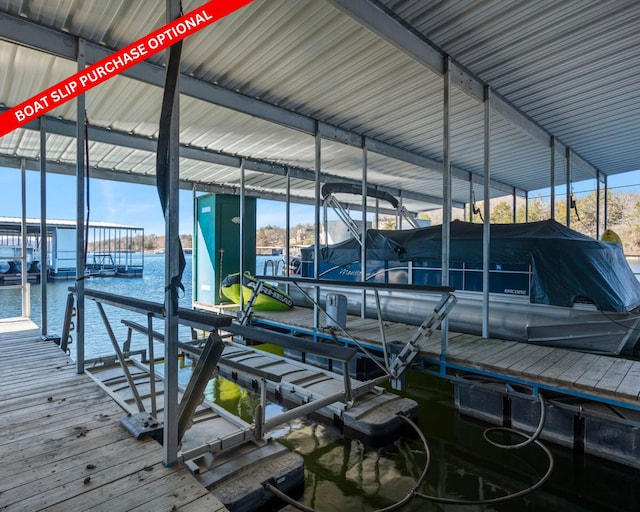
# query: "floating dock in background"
x,y
113,250
62,444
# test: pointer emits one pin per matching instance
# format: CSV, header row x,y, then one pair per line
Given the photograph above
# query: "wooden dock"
x,y
597,377
62,445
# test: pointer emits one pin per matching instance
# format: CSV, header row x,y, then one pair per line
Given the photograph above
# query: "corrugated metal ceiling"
x,y
570,66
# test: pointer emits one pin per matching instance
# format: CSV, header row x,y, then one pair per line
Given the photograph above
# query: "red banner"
x,y
117,62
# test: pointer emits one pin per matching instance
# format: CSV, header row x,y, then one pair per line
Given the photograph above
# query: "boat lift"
x,y
204,428
396,364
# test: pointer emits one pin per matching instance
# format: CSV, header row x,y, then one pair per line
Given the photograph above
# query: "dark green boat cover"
x,y
566,265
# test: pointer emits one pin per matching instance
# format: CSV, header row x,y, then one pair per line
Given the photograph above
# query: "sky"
x,y
139,206
119,203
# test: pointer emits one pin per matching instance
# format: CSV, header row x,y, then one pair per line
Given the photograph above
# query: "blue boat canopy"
x,y
567,266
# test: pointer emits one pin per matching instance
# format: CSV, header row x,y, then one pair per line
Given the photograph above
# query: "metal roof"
x,y
259,83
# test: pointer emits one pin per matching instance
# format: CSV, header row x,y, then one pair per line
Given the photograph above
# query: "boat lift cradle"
x,y
125,374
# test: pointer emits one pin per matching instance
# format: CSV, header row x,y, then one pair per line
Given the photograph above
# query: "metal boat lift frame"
x,y
208,355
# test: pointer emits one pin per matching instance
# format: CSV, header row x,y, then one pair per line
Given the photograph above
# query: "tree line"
x,y
623,216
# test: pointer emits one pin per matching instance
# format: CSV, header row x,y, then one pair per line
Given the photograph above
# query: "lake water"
x,y
348,475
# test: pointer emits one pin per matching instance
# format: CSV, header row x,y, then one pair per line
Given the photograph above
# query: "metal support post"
x,y
446,197
568,158
242,224
363,232
553,177
43,226
606,203
316,226
598,205
348,389
23,242
486,228
287,230
80,211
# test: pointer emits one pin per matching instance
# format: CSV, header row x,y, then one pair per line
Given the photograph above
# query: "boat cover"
x,y
566,265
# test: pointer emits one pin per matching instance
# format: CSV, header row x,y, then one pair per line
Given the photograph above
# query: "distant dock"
x,y
113,250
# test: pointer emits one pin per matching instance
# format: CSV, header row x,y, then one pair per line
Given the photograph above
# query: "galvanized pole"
x,y
568,157
316,225
43,226
172,269
606,203
446,175
553,177
23,241
470,198
241,226
287,230
446,198
363,231
80,209
486,228
598,204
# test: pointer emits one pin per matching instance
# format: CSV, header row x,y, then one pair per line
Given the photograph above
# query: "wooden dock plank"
x,y
612,379
15,426
63,447
122,483
532,357
598,370
578,368
630,385
483,350
504,364
41,392
461,348
207,502
542,364
552,373
492,358
98,465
